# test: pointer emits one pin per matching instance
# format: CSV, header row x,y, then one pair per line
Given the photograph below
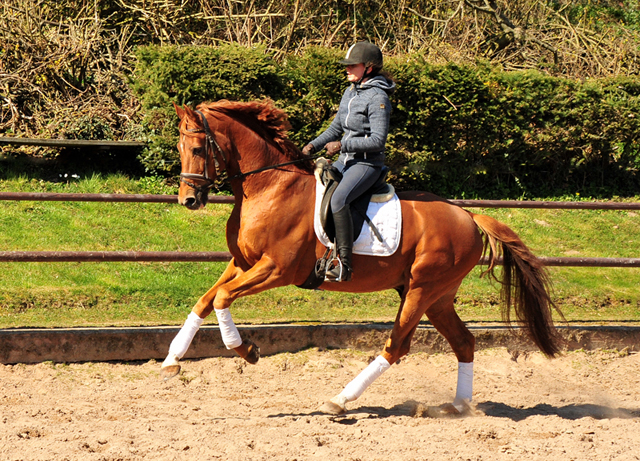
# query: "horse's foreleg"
x,y
232,284
232,340
262,276
179,345
182,341
445,319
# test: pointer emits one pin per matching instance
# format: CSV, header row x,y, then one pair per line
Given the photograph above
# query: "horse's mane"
x,y
264,118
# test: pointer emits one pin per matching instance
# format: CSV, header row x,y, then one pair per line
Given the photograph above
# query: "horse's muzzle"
x,y
194,200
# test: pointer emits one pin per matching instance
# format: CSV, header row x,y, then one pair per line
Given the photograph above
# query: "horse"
x,y
270,235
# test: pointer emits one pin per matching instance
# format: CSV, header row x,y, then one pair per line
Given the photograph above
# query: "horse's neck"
x,y
270,189
261,154
281,184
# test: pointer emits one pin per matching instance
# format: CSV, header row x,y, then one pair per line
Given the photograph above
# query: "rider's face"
x,y
355,72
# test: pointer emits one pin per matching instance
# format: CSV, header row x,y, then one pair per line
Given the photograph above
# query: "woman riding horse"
x,y
362,124
270,235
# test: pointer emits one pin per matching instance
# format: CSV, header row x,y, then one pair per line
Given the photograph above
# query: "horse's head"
x,y
247,138
198,150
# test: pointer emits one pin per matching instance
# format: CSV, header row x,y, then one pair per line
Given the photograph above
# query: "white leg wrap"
x,y
464,390
183,339
230,335
355,388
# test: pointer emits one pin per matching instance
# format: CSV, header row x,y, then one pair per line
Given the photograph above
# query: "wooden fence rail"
x,y
173,256
73,143
222,256
150,198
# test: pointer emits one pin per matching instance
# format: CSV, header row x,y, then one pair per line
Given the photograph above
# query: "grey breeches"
x,y
356,180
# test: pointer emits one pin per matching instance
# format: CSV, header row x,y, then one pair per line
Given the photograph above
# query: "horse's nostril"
x,y
190,202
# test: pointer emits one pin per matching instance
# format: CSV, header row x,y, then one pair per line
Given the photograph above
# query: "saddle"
x,y
329,176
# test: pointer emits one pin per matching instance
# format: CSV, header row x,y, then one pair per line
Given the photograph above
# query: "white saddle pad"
x,y
386,216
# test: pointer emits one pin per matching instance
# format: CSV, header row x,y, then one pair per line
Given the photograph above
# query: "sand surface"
x,y
582,406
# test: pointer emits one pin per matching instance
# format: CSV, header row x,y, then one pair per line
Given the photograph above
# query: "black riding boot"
x,y
344,246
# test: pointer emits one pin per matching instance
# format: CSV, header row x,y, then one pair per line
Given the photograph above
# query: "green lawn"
x,y
100,294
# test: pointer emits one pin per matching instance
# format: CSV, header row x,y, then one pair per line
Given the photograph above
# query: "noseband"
x,y
212,147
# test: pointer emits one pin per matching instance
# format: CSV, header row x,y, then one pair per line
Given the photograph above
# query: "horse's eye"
x,y
196,150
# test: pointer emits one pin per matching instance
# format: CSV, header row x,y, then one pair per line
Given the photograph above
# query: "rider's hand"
x,y
333,147
308,149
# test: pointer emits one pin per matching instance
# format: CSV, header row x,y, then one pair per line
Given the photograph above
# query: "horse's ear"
x,y
179,110
189,111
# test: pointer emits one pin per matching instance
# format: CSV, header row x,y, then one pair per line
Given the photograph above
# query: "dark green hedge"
x,y
458,131
478,131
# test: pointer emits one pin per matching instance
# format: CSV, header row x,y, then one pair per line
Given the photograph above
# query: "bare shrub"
x,y
66,63
59,71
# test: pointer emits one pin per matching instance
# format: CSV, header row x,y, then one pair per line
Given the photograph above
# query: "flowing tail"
x,y
525,283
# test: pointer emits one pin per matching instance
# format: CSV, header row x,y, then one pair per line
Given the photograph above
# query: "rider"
x,y
359,133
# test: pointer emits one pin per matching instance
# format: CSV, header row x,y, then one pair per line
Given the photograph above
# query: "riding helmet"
x,y
363,53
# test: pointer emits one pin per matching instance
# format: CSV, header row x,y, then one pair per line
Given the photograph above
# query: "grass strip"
x,y
133,294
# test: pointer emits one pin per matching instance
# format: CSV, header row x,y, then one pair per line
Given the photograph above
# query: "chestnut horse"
x,y
271,237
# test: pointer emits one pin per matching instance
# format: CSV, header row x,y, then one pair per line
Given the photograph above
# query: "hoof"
x,y
169,372
249,351
463,406
447,410
332,408
254,353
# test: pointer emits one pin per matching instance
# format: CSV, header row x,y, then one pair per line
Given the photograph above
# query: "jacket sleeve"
x,y
379,114
335,130
333,133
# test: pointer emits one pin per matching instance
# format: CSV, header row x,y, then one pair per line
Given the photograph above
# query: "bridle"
x,y
210,146
213,147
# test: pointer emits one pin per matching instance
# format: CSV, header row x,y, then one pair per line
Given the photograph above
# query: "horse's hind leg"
x,y
439,308
414,303
445,319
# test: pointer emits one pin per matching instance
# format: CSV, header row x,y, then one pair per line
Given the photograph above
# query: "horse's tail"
x,y
525,283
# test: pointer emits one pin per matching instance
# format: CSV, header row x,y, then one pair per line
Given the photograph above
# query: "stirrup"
x,y
338,273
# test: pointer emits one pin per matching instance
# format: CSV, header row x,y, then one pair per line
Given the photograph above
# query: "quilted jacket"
x,y
362,122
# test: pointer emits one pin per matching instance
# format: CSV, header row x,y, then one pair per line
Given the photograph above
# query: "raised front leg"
x,y
233,283
180,344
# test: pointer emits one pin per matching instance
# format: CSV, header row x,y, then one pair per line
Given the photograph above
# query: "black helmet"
x,y
363,53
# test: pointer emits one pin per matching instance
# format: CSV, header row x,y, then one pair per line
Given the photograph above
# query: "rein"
x,y
213,146
272,167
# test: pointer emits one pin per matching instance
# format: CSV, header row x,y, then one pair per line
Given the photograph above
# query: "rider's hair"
x,y
377,70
